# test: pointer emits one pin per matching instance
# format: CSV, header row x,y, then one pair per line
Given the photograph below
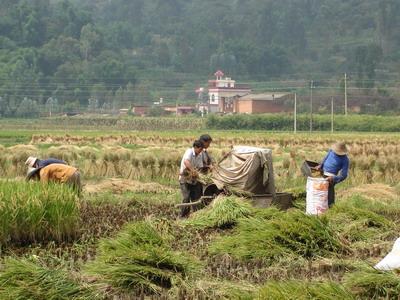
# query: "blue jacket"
x,y
334,163
41,163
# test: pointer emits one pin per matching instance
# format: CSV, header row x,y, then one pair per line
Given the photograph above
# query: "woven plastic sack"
x,y
317,196
392,260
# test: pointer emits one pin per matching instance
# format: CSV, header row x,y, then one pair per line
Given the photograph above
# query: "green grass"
x,y
368,283
300,290
389,209
133,146
219,289
140,259
355,220
47,146
31,279
270,234
13,137
20,132
274,234
364,283
223,212
32,212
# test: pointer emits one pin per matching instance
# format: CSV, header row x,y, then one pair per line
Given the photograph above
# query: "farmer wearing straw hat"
x,y
60,173
335,167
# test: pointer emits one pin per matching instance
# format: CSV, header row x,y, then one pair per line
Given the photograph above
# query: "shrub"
x,y
33,212
140,259
31,279
284,122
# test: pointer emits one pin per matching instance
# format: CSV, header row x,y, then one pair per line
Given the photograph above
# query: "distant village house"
x,y
260,103
227,96
221,92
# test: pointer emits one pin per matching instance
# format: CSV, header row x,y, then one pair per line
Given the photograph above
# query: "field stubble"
x,y
234,252
157,157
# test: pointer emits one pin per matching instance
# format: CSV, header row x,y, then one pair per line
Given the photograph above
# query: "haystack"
x,y
67,153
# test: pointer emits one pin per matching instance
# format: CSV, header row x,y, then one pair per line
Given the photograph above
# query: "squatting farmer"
x,y
335,167
34,162
207,159
191,189
60,173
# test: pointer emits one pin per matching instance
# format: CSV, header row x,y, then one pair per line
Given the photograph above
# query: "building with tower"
x,y
222,91
227,96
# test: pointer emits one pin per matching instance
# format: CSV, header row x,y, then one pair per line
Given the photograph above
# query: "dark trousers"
x,y
331,194
190,193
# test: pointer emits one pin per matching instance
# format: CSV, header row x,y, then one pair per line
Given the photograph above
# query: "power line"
x,y
61,85
99,81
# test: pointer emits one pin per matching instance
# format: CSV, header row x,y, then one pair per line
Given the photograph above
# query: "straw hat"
x,y
340,148
31,172
30,162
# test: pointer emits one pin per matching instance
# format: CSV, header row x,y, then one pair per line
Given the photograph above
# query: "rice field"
x,y
32,212
122,238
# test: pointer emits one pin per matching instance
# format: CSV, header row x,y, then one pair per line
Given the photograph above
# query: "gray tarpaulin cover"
x,y
246,168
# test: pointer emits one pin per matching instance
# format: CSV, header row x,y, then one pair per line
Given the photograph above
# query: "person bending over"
x,y
59,173
191,189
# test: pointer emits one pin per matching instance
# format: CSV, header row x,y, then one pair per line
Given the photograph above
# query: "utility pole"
x,y
332,114
295,112
345,94
311,105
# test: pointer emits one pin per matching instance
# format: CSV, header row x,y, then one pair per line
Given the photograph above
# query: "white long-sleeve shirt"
x,y
195,160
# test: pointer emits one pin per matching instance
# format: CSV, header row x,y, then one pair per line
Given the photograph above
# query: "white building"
x,y
221,93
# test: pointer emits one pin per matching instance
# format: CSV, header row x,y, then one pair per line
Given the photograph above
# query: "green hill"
x,y
125,51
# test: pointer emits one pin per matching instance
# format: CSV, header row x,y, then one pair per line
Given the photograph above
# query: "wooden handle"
x,y
190,204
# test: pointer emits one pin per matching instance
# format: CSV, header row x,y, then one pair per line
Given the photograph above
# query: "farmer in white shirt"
x,y
191,189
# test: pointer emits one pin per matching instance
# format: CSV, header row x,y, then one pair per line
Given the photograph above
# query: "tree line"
x,y
115,53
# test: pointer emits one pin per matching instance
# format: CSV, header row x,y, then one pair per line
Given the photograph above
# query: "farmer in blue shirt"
x,y
34,162
335,167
